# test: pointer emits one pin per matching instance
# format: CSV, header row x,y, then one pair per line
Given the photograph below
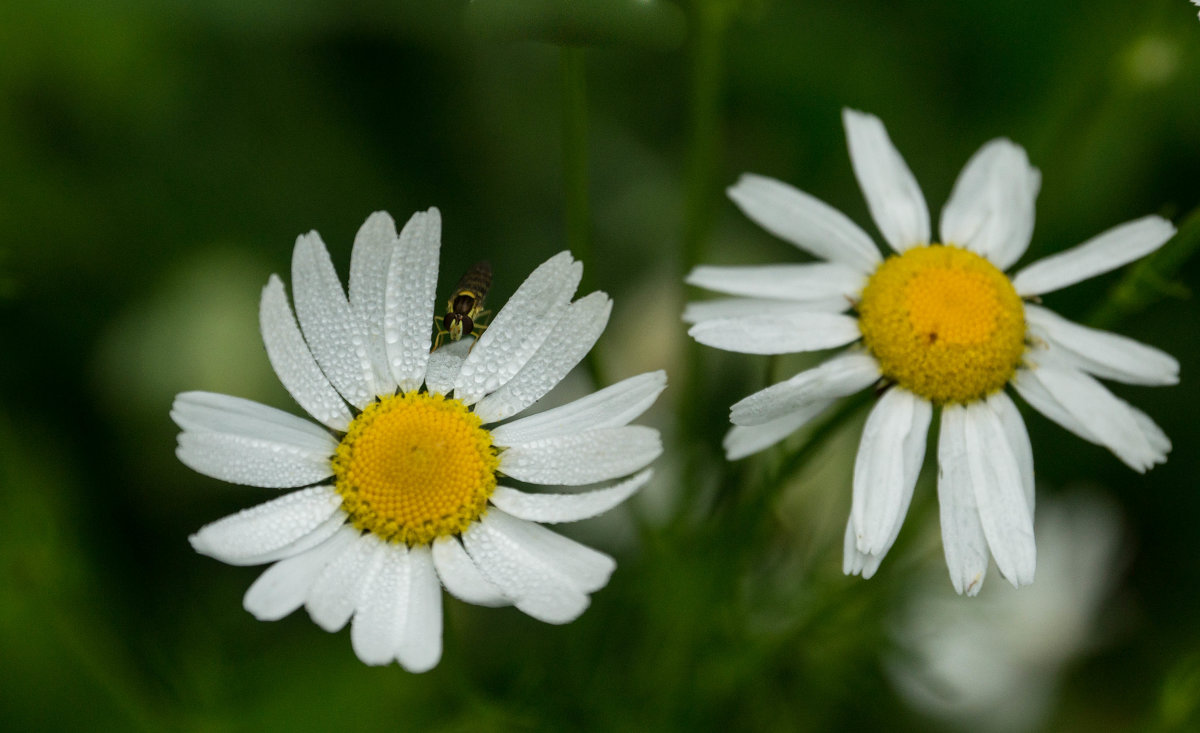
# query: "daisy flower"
x,y
934,325
399,485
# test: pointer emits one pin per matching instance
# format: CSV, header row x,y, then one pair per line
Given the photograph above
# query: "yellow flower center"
x,y
414,467
944,323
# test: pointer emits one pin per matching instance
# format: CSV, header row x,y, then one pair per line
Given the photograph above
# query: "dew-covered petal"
x,y
1106,355
373,247
807,222
1003,509
582,458
569,341
336,592
547,575
840,376
283,587
519,328
1107,251
210,412
1082,405
252,461
745,440
991,209
294,363
410,298
444,364
893,196
1018,441
460,576
709,310
331,327
963,540
886,468
381,613
782,334
243,538
420,646
810,281
610,407
553,508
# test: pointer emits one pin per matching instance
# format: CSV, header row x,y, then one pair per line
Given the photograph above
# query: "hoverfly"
x,y
465,307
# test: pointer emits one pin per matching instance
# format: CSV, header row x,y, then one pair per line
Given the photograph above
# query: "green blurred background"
x,y
158,159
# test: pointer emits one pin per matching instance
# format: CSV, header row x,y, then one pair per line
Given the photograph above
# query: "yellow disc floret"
x,y
414,467
944,323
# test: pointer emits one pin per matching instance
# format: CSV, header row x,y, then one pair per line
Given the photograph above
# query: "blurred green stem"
x,y
575,152
710,18
575,176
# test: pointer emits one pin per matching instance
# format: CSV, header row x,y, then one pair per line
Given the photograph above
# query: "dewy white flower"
x,y
936,325
397,487
995,665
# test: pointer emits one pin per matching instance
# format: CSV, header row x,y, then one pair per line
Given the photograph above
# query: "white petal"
x,y
963,541
444,364
420,646
283,587
768,310
582,458
806,222
547,575
294,363
1107,251
373,246
460,576
251,461
332,329
519,328
381,614
1106,355
781,334
552,508
410,298
840,376
570,340
1154,435
991,209
1018,441
856,562
1003,509
893,196
1035,393
336,592
242,538
886,468
745,440
1107,420
610,407
210,412
811,281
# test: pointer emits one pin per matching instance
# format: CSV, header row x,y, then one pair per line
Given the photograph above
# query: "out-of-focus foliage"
x,y
159,160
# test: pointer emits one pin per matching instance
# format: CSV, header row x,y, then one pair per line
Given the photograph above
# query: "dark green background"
x,y
158,159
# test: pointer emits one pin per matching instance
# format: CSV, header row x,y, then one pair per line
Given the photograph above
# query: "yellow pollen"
x,y
944,323
414,467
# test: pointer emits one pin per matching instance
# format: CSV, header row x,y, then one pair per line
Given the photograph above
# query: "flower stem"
x,y
575,176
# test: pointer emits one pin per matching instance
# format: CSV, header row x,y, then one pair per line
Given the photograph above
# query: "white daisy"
x,y
398,489
996,664
937,325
